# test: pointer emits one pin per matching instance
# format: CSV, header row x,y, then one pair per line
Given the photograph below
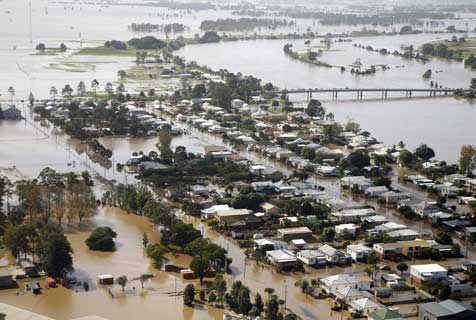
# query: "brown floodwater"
x,y
129,259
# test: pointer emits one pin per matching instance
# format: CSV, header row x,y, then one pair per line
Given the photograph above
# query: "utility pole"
x,y
285,297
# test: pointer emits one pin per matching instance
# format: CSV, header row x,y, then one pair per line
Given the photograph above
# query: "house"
x,y
264,187
335,282
209,213
385,314
288,234
348,294
11,113
281,258
375,220
334,256
413,248
274,244
347,228
223,215
404,234
375,191
447,309
359,252
386,227
387,250
269,208
364,306
393,280
424,209
393,197
6,277
199,190
359,183
354,215
298,244
312,257
428,272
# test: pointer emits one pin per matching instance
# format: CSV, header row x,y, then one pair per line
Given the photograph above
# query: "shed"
x,y
106,279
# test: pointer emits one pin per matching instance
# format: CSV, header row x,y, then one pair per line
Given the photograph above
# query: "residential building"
x,y
375,191
413,248
424,209
209,213
269,208
281,258
446,310
359,252
405,234
312,257
338,281
348,294
274,244
364,306
359,183
334,256
393,197
385,314
6,277
387,250
288,234
354,215
428,272
348,228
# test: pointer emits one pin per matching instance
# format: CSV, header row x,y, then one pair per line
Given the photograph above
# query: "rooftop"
x,y
422,268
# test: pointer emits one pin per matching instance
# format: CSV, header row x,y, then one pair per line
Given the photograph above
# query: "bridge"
x,y
407,92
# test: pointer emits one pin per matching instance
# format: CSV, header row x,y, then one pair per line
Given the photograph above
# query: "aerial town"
x,y
243,160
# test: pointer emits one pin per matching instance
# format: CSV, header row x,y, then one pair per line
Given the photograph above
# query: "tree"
x,y
101,239
53,92
472,84
402,267
55,253
328,234
156,252
272,308
122,281
259,303
424,152
243,300
189,295
109,89
221,95
357,159
199,266
81,89
372,258
122,74
467,159
406,157
315,109
95,86
67,91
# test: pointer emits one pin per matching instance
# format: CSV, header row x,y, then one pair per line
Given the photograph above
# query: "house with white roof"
x,y
359,252
334,256
209,213
275,244
364,306
349,228
312,257
428,272
338,281
281,258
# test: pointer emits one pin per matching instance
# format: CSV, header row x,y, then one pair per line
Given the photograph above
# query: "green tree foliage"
x,y
180,234
402,267
424,152
315,109
102,239
146,43
122,281
406,157
156,252
55,252
221,95
467,159
199,266
189,295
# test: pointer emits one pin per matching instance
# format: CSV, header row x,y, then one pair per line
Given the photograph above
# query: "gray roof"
x,y
445,308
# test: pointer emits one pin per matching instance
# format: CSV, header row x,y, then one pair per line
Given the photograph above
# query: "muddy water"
x,y
129,260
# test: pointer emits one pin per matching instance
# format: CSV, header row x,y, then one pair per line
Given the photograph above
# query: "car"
x,y
385,267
